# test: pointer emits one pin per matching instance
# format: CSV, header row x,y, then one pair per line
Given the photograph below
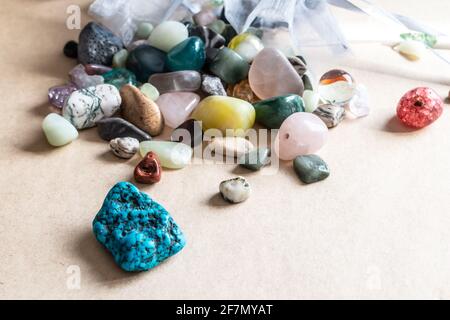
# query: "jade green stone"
x,y
272,112
150,91
144,30
58,130
311,168
172,155
187,55
120,58
255,159
217,26
229,66
120,77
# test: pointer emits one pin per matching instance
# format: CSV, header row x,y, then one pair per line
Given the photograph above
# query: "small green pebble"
x,y
120,58
311,168
144,30
256,159
217,26
150,91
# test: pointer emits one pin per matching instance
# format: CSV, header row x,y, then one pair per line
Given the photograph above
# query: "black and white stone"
x,y
124,148
235,190
299,64
111,128
209,37
330,114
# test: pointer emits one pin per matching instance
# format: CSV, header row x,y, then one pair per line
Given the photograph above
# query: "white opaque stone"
x,y
177,106
311,100
230,146
172,155
411,49
58,130
167,35
235,190
359,105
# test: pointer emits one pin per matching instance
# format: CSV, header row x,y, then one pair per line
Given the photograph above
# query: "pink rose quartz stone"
x,y
302,133
272,75
176,107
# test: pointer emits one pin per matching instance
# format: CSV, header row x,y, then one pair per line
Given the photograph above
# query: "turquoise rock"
x,y
229,66
272,112
119,77
135,229
187,55
255,159
58,130
311,168
144,61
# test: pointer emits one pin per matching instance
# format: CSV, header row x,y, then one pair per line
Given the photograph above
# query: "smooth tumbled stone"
x,y
141,111
173,155
255,159
210,38
167,35
98,69
189,132
330,114
150,91
177,106
246,45
81,79
120,58
57,95
119,77
124,148
228,33
311,168
135,229
217,26
359,105
242,90
271,75
204,17
136,44
299,64
71,49
85,107
144,30
58,130
111,128
176,81
187,55
222,113
144,61
213,86
97,45
300,134
311,99
272,112
307,82
230,146
148,170
235,190
229,66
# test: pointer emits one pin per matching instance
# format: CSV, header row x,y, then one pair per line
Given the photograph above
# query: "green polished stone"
x,y
311,168
229,66
217,26
272,112
119,77
255,159
187,55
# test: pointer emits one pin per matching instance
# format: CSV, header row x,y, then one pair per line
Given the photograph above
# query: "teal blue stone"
x,y
187,55
311,168
229,66
136,230
120,77
273,111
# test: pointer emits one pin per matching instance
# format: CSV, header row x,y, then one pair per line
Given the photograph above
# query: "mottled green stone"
x,y
255,159
272,112
187,55
120,77
229,66
311,168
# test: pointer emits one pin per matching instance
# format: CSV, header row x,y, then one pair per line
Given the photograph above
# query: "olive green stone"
x,y
272,112
255,159
229,66
311,168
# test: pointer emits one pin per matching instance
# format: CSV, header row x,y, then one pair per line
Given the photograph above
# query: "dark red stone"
x,y
148,170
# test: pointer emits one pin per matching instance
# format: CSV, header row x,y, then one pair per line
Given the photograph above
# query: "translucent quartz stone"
x,y
246,45
229,66
301,134
58,94
172,155
336,87
119,77
242,90
96,69
222,113
187,55
177,106
176,81
82,80
150,91
279,38
58,130
271,75
359,105
167,35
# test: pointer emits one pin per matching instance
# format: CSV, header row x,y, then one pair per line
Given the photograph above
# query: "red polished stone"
x,y
420,107
148,170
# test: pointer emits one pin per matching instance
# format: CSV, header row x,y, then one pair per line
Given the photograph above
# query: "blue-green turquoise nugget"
x,y
138,231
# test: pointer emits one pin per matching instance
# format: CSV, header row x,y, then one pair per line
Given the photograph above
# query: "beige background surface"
x,y
377,228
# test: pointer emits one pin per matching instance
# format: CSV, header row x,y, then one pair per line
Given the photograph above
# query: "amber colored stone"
x,y
148,170
242,90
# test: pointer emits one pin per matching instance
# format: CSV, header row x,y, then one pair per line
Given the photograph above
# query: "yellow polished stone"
x,y
222,113
246,45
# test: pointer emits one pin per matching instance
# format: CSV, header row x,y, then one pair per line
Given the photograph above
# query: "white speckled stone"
x,y
124,148
235,190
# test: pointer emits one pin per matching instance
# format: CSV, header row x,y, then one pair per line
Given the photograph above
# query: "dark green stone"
x,y
311,168
228,33
229,66
187,55
119,77
144,61
256,159
272,112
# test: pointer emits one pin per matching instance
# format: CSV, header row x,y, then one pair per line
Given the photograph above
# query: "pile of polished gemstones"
x,y
194,77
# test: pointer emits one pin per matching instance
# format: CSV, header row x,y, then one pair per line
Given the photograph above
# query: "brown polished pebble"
x,y
242,91
148,170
